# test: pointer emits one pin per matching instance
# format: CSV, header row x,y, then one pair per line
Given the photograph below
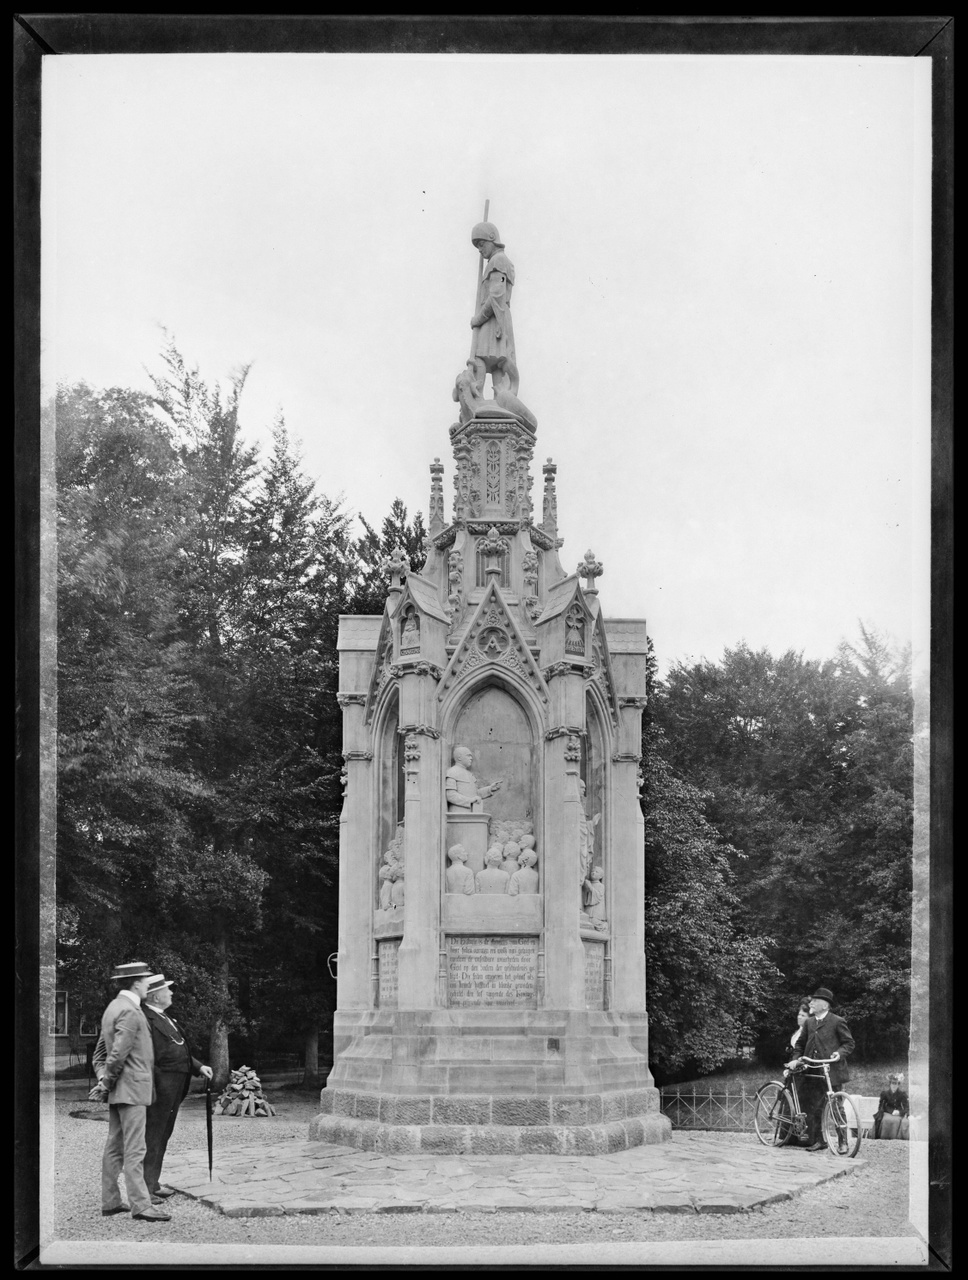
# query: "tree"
x,y
370,593
708,977
808,769
124,697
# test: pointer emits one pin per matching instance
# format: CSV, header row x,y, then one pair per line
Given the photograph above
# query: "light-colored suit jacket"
x,y
125,1058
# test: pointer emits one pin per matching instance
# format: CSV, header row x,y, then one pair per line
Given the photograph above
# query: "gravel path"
x,y
871,1202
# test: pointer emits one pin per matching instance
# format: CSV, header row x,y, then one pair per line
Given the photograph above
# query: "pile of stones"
x,y
243,1096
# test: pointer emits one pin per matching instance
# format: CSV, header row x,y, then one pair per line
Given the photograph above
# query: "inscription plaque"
x,y
496,971
594,975
387,972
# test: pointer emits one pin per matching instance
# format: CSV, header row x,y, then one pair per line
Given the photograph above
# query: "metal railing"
x,y
703,1109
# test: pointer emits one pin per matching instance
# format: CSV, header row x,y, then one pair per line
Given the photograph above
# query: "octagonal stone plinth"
x,y
591,1124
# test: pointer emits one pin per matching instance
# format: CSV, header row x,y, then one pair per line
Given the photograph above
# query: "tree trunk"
x,y
218,1043
311,1058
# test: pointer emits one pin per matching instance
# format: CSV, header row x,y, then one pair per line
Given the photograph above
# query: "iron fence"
x,y
695,1109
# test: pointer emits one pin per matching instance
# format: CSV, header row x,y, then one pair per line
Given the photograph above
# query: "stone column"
x,y
356,892
626,888
423,801
564,955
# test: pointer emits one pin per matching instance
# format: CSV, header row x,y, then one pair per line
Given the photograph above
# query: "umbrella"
x,y
208,1123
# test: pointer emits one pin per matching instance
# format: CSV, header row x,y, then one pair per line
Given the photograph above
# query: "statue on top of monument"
x,y
461,787
492,344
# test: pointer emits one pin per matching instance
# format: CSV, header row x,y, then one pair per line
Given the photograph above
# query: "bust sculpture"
x,y
492,879
461,787
459,877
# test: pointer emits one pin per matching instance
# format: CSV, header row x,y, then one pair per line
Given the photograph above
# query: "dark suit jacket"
x,y
170,1057
823,1039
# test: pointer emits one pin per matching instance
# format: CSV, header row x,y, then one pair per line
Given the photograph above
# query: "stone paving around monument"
x,y
692,1173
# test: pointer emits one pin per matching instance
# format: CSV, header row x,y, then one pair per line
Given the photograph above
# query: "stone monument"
x,y
491,975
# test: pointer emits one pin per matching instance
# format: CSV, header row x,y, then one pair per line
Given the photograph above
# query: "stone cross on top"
x,y
590,569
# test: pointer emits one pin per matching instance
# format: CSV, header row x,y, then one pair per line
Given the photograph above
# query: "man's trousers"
x,y
125,1150
162,1114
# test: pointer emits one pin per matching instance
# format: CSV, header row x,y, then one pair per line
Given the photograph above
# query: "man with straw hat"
x,y
174,1067
124,1060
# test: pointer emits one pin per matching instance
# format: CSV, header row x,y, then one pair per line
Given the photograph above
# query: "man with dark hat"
x,y
124,1061
823,1035
174,1068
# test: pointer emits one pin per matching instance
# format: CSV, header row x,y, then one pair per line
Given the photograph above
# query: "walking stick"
x,y
208,1124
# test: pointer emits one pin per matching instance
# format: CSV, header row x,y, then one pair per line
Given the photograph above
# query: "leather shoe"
x,y
817,1146
152,1215
109,1213
163,1192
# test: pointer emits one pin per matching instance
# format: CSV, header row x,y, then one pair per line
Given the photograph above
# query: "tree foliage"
x,y
808,770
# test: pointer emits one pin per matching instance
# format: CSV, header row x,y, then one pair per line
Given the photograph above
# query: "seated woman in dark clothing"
x,y
893,1109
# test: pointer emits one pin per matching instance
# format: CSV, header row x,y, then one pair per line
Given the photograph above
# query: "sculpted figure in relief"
x,y
461,786
586,836
492,879
459,876
391,860
510,853
397,888
468,395
593,898
525,879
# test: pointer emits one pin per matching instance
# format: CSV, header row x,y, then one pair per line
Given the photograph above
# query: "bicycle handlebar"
x,y
819,1062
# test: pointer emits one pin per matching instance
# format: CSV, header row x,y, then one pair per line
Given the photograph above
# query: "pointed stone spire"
x,y
436,508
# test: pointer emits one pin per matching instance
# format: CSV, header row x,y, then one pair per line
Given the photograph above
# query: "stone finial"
x,y
436,508
397,565
590,569
549,512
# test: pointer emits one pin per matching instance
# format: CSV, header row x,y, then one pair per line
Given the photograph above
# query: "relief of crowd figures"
x,y
509,864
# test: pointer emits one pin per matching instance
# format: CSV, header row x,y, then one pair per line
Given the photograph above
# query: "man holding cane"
x,y
174,1067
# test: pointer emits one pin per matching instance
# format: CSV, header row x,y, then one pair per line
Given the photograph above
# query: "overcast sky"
x,y
721,305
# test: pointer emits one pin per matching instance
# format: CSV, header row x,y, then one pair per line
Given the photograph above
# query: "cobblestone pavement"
x,y
687,1175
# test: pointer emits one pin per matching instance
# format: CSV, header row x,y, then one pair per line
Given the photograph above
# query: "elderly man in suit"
x,y
823,1035
174,1067
124,1061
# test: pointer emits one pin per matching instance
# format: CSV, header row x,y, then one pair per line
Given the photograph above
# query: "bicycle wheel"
x,y
841,1125
773,1115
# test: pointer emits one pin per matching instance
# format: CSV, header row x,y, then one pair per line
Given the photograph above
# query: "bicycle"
x,y
778,1116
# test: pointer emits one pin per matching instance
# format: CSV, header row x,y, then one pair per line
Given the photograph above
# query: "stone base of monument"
x,y
491,1081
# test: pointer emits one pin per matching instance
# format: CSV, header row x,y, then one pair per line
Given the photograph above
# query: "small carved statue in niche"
x,y
492,879
575,631
586,836
510,855
410,632
525,879
593,898
397,888
459,876
463,793
391,859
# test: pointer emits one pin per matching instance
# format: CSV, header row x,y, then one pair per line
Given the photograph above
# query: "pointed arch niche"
x,y
494,724
594,772
390,794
